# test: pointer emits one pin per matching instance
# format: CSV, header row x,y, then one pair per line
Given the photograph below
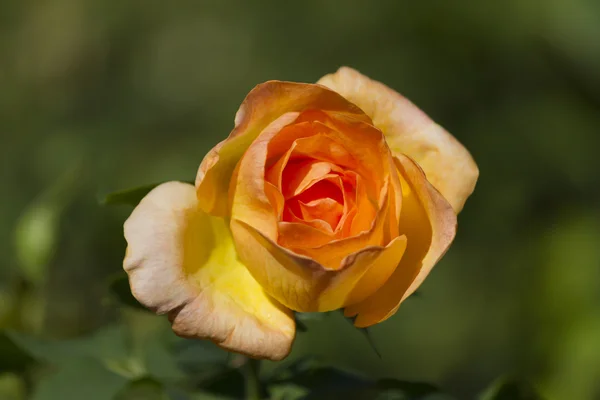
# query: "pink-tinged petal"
x,y
447,164
182,262
429,223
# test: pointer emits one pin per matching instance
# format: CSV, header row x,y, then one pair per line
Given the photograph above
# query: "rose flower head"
x,y
335,195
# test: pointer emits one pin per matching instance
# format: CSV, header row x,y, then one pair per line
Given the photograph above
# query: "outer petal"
x,y
429,224
304,285
447,164
265,103
182,262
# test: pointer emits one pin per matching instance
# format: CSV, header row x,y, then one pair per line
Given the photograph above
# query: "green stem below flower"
x,y
253,386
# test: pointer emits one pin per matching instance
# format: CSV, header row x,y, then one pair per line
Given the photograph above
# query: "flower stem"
x,y
253,386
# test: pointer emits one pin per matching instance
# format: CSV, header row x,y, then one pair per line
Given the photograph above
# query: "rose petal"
x,y
250,202
447,164
429,223
255,203
265,103
182,262
299,176
308,234
302,284
325,209
332,254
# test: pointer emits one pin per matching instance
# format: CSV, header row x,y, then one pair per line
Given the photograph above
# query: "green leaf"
x,y
411,390
49,351
82,378
230,384
197,357
327,378
143,389
106,345
287,391
152,345
12,387
202,395
383,390
285,371
130,197
325,382
36,239
13,358
160,362
37,230
510,388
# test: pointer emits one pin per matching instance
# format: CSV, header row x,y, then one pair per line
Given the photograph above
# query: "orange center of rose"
x,y
318,182
319,194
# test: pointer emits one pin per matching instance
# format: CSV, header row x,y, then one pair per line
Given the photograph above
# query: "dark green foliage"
x,y
14,357
321,382
511,389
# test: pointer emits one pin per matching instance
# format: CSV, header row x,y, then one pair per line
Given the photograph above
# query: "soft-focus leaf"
x,y
36,238
143,389
50,351
320,378
319,382
8,301
13,358
12,386
152,345
161,363
81,378
201,395
288,391
129,197
230,384
412,390
199,357
33,310
511,389
106,345
37,230
285,371
398,391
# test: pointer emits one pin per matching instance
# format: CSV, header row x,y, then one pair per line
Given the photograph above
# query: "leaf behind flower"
x,y
130,197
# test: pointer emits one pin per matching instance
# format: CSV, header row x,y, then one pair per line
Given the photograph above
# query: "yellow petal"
x,y
304,285
429,224
264,104
182,262
447,164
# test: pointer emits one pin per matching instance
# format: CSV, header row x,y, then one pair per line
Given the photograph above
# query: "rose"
x,y
341,194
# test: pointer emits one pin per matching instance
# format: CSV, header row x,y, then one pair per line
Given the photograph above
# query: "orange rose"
x,y
340,194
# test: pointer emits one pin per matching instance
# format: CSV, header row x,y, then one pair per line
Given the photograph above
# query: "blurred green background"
x,y
97,96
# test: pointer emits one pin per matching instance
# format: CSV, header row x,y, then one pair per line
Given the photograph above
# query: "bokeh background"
x,y
97,96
